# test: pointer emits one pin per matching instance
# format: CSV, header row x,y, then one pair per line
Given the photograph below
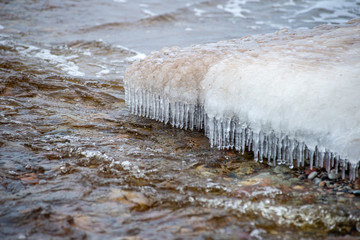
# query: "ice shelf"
x,y
292,97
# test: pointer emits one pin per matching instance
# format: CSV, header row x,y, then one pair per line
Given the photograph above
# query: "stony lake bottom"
x,y
75,164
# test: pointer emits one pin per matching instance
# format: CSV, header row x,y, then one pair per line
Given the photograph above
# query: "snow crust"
x,y
289,95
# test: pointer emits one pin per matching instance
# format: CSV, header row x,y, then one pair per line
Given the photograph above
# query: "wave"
x,y
145,22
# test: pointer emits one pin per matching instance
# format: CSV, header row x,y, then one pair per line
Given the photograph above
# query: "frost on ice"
x,y
292,97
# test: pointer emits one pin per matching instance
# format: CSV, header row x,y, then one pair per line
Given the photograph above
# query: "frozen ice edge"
x,y
277,147
225,133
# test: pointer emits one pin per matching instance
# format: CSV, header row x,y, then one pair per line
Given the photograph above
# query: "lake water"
x,y
75,164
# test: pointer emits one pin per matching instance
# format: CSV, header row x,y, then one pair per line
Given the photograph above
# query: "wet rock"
x,y
302,177
347,189
317,181
332,175
348,195
42,181
356,192
357,184
231,175
293,181
312,175
29,178
12,186
322,184
308,171
135,200
68,169
205,172
244,168
298,187
282,169
21,236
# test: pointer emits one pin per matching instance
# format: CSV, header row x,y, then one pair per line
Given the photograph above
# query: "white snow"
x,y
288,96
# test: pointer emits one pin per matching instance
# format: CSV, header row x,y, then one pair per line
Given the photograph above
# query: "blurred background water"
x,y
74,162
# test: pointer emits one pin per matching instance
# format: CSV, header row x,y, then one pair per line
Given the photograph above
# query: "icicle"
x,y
311,158
228,133
157,107
337,161
162,110
186,116
255,146
353,171
172,114
249,138
243,139
191,117
268,148
279,151
302,150
261,146
231,139
211,130
237,137
166,111
181,116
332,160
291,151
327,161
321,159
343,168
316,157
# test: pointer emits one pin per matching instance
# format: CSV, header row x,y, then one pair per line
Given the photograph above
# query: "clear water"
x,y
75,163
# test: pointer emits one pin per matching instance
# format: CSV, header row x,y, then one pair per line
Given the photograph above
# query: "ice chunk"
x,y
290,96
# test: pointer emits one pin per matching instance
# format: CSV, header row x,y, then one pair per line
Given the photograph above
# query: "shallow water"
x,y
75,163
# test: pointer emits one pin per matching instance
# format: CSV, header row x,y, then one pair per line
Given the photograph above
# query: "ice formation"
x,y
292,97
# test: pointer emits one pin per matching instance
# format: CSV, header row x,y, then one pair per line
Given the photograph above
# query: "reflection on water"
x,y
75,163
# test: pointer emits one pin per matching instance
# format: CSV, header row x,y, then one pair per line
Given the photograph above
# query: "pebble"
x,y
357,184
293,181
332,175
42,181
302,177
317,181
322,184
298,187
310,171
356,192
281,169
185,230
312,175
21,236
349,195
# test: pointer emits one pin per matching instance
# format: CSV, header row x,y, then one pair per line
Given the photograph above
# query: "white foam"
x,y
60,61
299,216
137,55
334,11
103,72
291,95
148,12
235,7
198,12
